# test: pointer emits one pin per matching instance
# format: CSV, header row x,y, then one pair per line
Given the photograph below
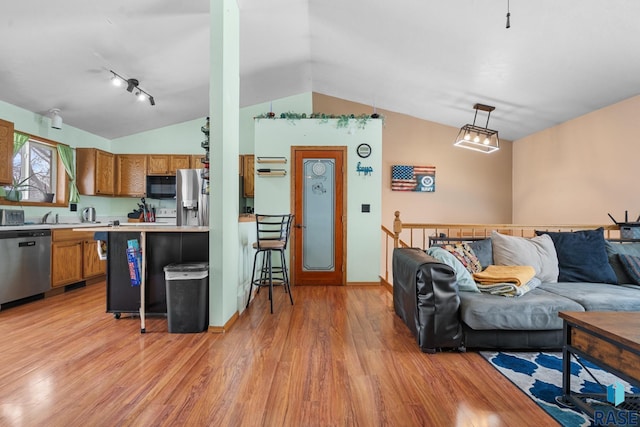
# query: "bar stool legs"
x,y
266,277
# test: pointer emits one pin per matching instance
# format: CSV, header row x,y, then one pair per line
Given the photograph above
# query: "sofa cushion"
x,y
465,255
538,252
631,264
597,296
536,310
616,248
582,256
483,251
463,277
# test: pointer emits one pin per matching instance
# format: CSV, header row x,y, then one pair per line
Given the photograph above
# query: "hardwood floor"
x,y
338,357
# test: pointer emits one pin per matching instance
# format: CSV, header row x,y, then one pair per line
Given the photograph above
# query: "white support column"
x,y
224,108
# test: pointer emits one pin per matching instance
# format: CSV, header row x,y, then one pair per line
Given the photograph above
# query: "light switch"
x,y
366,208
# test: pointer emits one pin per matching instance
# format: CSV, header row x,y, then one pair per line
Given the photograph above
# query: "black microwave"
x,y
161,187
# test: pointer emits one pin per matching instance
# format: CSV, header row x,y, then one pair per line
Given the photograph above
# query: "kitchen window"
x,y
38,173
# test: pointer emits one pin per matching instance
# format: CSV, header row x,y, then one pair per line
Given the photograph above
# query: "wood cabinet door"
x,y
6,152
196,161
248,179
92,265
131,174
66,263
104,178
158,164
178,161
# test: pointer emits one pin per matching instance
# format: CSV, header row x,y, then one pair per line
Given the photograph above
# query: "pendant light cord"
x,y
508,15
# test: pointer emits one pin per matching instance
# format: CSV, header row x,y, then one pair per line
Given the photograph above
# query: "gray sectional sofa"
x,y
593,275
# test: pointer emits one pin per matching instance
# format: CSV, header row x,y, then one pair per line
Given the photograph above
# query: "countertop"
x,y
50,226
147,227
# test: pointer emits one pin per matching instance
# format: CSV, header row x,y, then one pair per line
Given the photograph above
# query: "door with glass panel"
x,y
318,234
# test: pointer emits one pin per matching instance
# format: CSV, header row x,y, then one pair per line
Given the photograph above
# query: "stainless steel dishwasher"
x,y
25,264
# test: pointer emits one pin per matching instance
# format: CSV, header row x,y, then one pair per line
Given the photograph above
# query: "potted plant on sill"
x,y
13,192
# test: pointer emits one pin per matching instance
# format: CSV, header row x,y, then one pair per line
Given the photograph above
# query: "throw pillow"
x,y
538,252
482,250
616,248
631,265
463,277
582,256
465,255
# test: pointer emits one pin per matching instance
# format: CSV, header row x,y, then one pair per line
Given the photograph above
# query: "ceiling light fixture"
x,y
478,138
56,120
132,84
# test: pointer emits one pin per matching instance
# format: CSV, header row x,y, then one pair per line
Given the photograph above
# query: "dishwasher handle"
x,y
25,244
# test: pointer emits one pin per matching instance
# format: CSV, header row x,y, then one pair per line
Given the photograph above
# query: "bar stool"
x,y
272,236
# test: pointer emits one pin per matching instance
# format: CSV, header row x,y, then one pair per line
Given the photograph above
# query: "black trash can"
x,y
187,297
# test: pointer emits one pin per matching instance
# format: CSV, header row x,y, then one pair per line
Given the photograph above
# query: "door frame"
x,y
339,174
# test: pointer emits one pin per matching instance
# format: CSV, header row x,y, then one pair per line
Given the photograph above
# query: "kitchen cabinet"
x,y
74,257
95,172
196,161
248,175
131,175
167,164
6,152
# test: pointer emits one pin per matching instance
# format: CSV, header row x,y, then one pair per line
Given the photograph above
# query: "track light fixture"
x,y
132,86
56,119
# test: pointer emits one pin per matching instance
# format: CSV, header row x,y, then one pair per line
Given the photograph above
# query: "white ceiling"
x,y
428,59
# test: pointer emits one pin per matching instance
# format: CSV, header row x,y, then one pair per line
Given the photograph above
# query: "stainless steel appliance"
x,y
192,197
161,187
166,216
89,214
11,217
25,264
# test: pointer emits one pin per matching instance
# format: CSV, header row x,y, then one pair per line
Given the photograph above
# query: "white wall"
x,y
273,194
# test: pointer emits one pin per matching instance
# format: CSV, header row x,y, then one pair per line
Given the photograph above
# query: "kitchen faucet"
x,y
44,218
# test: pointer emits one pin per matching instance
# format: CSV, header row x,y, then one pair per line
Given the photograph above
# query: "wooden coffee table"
x,y
610,340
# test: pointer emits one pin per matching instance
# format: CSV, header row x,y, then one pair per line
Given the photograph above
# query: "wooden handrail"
x,y
419,234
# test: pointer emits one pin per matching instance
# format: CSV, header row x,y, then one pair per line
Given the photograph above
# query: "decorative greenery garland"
x,y
343,119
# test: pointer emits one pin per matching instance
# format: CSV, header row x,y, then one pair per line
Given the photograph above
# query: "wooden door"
x,y
105,174
66,263
92,265
179,162
131,175
319,232
248,178
6,152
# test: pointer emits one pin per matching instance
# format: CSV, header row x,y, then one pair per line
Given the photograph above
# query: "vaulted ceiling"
x,y
432,60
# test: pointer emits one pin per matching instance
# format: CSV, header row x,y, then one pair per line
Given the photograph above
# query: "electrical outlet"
x,y
73,207
366,208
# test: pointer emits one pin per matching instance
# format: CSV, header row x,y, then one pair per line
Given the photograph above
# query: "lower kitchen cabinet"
x,y
74,257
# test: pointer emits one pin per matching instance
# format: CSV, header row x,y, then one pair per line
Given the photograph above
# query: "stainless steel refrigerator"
x,y
192,197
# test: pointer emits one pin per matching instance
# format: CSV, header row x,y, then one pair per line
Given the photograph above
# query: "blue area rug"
x,y
539,376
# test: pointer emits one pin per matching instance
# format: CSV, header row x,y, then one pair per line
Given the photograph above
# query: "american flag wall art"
x,y
413,178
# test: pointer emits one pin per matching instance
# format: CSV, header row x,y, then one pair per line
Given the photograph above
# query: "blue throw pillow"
x,y
483,251
582,256
614,249
631,265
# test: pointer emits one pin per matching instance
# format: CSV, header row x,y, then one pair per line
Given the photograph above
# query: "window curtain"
x,y
19,139
66,155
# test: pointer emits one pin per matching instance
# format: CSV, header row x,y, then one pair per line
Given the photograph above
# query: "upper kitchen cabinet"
x,y
167,164
6,152
131,175
248,175
196,161
95,172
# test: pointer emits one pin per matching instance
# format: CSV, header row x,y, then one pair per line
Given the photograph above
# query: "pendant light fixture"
x,y
478,138
508,15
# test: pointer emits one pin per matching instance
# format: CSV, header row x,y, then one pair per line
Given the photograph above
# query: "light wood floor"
x,y
338,357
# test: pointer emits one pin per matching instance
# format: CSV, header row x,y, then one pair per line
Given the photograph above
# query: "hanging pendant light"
x,y
484,140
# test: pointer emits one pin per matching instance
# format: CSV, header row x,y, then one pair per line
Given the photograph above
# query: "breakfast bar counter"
x,y
160,246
